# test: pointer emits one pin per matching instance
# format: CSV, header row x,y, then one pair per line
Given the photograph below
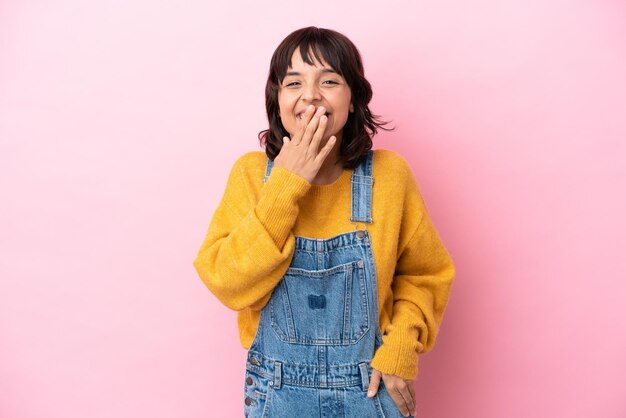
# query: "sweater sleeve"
x,y
249,245
421,286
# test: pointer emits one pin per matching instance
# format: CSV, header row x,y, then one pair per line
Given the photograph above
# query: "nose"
x,y
311,93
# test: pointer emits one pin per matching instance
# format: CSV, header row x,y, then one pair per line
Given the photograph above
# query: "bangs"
x,y
312,48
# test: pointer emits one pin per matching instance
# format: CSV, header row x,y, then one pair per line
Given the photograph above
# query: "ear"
x,y
351,108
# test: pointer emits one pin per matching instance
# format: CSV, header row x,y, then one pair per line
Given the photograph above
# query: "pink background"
x,y
119,122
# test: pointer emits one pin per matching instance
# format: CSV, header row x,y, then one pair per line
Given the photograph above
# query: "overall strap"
x,y
268,169
362,182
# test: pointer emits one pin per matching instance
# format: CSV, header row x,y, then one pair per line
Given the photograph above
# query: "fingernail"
x,y
370,393
309,108
321,110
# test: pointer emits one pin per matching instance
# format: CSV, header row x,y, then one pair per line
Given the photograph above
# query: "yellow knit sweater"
x,y
251,240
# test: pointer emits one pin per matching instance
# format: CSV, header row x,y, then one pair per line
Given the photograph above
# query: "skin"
x,y
401,390
313,153
330,94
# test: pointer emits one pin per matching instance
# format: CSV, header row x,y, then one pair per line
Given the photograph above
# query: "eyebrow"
x,y
324,70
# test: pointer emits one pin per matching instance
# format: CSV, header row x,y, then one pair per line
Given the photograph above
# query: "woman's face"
x,y
319,85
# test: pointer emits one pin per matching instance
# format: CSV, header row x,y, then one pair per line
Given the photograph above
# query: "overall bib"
x,y
318,332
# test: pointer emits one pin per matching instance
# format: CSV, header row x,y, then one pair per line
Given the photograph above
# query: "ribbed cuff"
x,y
278,204
396,356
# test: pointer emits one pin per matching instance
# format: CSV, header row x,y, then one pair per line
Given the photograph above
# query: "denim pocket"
x,y
256,386
321,307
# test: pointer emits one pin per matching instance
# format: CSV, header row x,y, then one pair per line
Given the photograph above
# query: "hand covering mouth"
x,y
299,115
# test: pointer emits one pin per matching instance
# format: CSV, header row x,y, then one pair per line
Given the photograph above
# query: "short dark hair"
x,y
344,57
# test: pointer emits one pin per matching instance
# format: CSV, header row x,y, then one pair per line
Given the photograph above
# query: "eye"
x,y
293,83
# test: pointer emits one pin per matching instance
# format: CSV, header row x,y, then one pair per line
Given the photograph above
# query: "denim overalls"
x,y
319,330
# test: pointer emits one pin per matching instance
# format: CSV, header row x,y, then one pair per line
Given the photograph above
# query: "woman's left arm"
x,y
421,287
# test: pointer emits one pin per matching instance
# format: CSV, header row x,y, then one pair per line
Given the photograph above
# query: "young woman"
x,y
325,247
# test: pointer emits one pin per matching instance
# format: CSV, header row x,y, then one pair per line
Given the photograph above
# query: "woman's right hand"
x,y
301,154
